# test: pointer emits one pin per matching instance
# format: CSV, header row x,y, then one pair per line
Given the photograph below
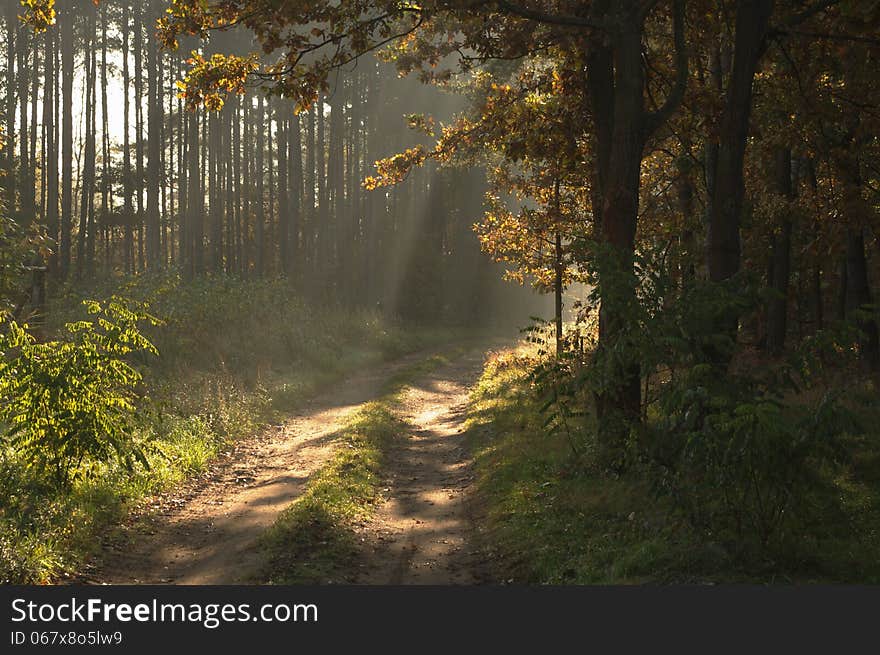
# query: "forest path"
x,y
419,535
205,531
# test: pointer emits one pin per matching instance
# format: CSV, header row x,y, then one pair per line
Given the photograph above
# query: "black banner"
x,y
396,619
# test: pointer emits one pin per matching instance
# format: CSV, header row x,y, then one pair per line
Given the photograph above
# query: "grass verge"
x,y
315,540
546,518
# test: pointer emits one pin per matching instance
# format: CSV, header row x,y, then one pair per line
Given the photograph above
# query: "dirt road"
x,y
205,532
420,534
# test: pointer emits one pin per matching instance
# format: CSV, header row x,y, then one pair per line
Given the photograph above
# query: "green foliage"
x,y
70,402
734,445
546,517
19,247
737,459
558,390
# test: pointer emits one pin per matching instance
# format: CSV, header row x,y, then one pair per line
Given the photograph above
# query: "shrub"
x,y
734,441
69,401
738,460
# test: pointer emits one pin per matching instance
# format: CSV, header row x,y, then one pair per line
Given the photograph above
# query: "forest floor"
x,y
208,530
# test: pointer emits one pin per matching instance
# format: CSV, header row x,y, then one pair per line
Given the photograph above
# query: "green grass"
x,y
546,517
234,355
315,539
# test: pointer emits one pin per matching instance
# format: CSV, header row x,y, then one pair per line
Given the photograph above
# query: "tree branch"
x,y
656,118
566,20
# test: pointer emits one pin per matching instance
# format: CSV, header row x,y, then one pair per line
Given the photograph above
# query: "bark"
x,y
128,206
154,165
283,234
752,19
295,183
139,130
10,131
67,71
50,145
260,218
86,236
195,201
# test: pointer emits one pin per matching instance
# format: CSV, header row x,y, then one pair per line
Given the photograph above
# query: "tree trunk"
x,y
723,247
618,403
9,132
726,202
50,145
260,218
283,235
154,117
67,71
85,238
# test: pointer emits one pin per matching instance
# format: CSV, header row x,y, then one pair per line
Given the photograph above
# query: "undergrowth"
x,y
550,515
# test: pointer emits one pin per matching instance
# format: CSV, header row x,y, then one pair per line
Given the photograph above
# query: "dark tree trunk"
x,y
195,201
154,164
86,237
295,183
26,184
51,147
618,404
283,235
128,205
106,198
260,218
725,208
9,132
67,68
139,130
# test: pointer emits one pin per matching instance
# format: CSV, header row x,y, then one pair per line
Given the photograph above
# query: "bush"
x,y
736,442
71,401
738,460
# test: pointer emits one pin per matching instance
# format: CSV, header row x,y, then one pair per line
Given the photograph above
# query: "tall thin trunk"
x,y
295,183
259,218
9,132
105,145
195,200
50,146
128,205
67,72
281,111
86,237
139,130
310,213
154,118
26,185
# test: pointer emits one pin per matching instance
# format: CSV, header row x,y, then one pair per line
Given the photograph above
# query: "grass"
x,y
234,355
315,539
547,517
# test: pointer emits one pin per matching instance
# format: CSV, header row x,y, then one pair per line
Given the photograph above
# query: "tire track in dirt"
x,y
204,532
420,534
